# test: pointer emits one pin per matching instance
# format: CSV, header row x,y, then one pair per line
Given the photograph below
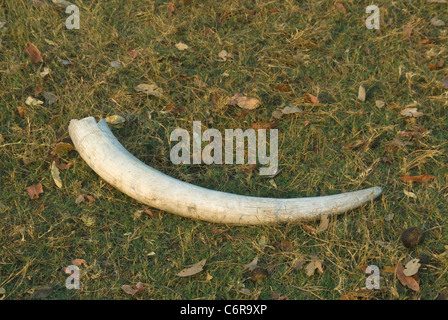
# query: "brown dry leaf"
x,y
282,87
410,282
309,97
194,269
34,53
79,262
179,110
62,147
63,166
422,178
407,31
286,246
310,229
149,213
21,111
133,53
340,7
243,102
34,191
314,265
138,288
149,89
323,223
265,125
170,7
427,41
89,197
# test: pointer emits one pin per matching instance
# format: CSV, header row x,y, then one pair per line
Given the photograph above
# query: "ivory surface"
x,y
111,161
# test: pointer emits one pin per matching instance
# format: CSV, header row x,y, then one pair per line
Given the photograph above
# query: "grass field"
x,y
280,51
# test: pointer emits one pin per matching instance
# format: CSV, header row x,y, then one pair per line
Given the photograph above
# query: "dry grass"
x,y
310,47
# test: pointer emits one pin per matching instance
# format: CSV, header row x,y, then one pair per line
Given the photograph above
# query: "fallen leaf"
x,y
291,108
79,262
132,53
115,64
324,221
194,269
170,7
437,22
34,191
34,53
361,93
410,194
412,267
421,178
278,296
309,97
253,264
380,103
30,101
80,199
340,7
445,82
286,246
138,288
407,31
89,197
223,55
310,229
62,148
243,101
149,89
410,282
44,73
265,125
282,88
208,277
181,46
115,119
21,111
179,110
55,174
38,90
277,114
314,265
50,98
427,41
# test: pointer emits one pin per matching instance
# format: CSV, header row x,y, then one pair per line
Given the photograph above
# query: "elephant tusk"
x,y
111,161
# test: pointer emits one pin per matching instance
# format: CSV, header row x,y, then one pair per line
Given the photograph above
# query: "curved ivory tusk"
x,y
111,161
